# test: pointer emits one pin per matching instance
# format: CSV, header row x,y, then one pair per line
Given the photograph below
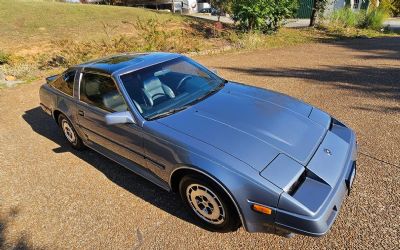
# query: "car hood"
x,y
251,124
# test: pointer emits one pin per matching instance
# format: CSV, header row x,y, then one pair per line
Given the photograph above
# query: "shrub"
x,y
371,19
263,15
390,6
396,8
374,19
148,35
346,17
20,70
4,57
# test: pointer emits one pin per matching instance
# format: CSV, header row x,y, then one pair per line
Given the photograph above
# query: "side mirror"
x,y
119,118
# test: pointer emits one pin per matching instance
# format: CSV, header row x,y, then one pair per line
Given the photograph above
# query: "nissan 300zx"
x,y
236,154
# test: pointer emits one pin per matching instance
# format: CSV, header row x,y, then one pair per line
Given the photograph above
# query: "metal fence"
x,y
305,8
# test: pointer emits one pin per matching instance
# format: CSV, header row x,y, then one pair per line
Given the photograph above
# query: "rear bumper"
x,y
321,220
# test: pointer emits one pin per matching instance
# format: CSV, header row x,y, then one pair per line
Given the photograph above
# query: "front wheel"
x,y
208,204
70,133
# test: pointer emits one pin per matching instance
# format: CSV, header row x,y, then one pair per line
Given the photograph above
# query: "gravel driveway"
x,y
54,197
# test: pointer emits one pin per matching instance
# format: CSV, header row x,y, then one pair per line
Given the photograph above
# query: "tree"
x,y
223,6
392,7
396,5
263,15
318,9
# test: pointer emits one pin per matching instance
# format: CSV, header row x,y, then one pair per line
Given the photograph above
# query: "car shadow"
x,y
170,202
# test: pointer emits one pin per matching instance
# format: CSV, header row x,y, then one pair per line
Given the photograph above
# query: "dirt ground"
x,y
53,197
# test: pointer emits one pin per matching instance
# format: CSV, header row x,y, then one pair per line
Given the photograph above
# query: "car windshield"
x,y
169,87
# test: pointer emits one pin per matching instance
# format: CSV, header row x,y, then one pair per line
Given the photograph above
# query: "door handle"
x,y
81,113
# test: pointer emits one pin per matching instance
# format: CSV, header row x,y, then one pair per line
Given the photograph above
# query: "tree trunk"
x,y
314,13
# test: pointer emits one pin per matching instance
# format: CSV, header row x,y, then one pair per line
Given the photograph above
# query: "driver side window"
x,y
100,91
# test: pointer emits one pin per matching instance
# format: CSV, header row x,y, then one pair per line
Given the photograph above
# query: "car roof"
x,y
126,62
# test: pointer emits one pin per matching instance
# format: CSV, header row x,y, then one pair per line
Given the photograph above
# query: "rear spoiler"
x,y
51,78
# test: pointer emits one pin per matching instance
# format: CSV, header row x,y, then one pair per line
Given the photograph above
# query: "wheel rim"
x,y
205,204
68,132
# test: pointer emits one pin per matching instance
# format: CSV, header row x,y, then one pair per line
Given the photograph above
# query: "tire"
x,y
70,133
208,204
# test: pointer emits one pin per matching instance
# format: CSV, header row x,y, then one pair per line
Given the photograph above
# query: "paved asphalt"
x,y
53,197
393,24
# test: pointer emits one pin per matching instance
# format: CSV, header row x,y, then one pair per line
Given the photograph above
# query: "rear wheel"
x,y
70,133
208,204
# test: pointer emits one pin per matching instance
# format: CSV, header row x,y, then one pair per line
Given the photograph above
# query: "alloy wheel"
x,y
205,204
68,131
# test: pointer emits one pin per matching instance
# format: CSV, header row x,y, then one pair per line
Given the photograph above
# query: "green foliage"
x,y
262,15
396,8
222,5
320,6
374,18
391,7
346,17
4,57
371,19
318,10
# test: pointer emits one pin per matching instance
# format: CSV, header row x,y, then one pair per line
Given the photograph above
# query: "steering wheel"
x,y
183,80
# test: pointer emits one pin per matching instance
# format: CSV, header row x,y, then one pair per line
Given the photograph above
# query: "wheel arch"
x,y
178,173
56,114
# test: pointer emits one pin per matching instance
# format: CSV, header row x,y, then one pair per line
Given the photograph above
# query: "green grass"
x,y
346,17
372,19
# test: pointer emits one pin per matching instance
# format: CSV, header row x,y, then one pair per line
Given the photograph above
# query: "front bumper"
x,y
320,198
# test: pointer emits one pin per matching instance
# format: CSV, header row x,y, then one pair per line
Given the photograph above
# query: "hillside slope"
x,y
29,24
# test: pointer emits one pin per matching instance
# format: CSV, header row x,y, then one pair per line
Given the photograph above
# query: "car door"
x,y
98,96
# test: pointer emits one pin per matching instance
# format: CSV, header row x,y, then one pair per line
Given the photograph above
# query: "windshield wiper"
x,y
213,91
169,112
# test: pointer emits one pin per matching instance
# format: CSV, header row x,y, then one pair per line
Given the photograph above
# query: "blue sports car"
x,y
236,154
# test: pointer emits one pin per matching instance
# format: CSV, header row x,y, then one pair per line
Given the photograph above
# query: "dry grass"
x,y
283,38
35,24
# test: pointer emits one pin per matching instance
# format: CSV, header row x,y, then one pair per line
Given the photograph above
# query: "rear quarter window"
x,y
65,83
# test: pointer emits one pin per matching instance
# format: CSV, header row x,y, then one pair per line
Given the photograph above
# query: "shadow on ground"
x,y
377,48
170,202
380,81
22,242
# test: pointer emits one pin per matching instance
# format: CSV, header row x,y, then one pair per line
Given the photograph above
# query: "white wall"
x,y
190,6
333,5
340,4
